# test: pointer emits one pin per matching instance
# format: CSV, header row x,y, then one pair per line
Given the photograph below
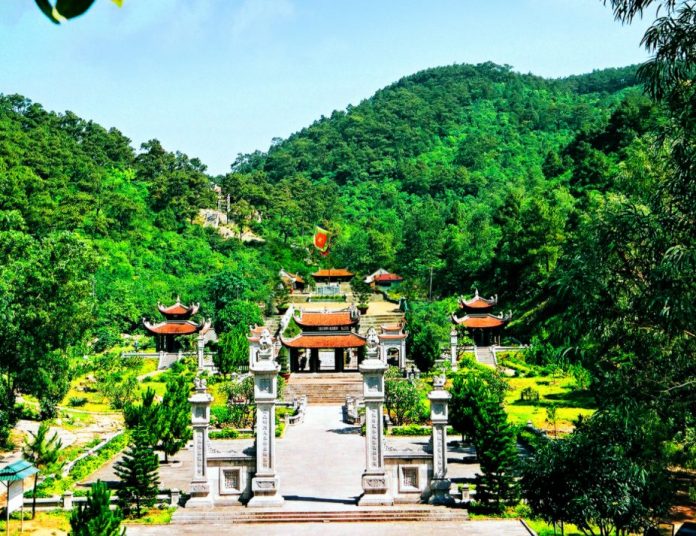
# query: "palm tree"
x,y
42,451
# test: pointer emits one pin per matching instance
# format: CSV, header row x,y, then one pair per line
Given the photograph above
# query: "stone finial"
x,y
439,381
200,383
265,341
372,339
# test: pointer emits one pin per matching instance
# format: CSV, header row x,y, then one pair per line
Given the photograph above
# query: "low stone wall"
x,y
409,467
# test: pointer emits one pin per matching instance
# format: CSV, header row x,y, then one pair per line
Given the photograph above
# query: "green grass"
x,y
155,516
560,391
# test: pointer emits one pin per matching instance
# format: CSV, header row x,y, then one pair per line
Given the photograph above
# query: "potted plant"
x,y
284,362
361,292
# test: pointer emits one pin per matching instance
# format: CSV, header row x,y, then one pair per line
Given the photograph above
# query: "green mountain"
x,y
476,172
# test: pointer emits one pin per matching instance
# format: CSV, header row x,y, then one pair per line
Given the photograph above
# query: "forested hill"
x,y
477,172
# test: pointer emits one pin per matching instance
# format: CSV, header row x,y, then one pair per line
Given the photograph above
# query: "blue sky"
x,y
214,78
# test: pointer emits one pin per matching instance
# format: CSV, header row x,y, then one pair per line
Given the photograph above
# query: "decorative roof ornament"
x,y
439,381
265,342
200,383
372,339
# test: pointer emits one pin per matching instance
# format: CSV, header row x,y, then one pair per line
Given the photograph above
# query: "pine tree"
x,y
42,451
95,517
174,417
138,471
496,451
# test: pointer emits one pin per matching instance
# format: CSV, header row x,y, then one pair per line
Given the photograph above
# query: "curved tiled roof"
x,y
310,319
332,272
347,340
175,327
480,321
387,278
178,309
477,302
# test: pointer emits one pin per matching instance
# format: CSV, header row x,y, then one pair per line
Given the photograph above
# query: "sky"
x,y
215,78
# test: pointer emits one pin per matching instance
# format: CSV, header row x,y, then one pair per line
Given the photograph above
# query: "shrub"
x,y
225,433
77,401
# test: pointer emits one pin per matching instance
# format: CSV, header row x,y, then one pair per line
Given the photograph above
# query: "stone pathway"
x,y
320,462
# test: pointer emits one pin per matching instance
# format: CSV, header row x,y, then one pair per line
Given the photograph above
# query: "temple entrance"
x,y
314,360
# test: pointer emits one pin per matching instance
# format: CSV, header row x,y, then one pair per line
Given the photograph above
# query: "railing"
x,y
299,404
67,501
352,410
68,466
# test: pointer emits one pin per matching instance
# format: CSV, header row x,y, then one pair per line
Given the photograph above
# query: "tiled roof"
x,y
477,302
347,340
332,272
480,321
173,327
387,278
328,319
178,309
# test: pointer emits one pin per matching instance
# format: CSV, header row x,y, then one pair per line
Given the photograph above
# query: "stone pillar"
x,y
265,484
68,500
440,484
201,353
374,480
402,355
453,347
200,421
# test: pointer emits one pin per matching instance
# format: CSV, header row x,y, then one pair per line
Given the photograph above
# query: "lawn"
x,y
561,391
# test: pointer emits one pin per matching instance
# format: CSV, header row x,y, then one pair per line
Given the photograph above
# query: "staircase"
x,y
324,388
375,321
357,515
272,323
485,356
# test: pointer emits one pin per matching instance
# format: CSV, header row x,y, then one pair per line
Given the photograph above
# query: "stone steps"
x,y
377,515
324,388
484,355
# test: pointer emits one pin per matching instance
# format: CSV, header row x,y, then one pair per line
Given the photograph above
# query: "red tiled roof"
x,y
483,321
348,340
332,272
387,278
328,319
477,302
392,327
175,327
178,309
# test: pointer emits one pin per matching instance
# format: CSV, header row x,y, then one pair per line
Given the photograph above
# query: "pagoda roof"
x,y
344,340
392,327
478,302
176,327
480,321
313,319
178,309
256,332
387,278
332,272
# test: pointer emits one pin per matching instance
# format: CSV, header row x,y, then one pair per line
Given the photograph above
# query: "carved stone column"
x,y
201,352
265,484
440,484
200,421
374,479
453,347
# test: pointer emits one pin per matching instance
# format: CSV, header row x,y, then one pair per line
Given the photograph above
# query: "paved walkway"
x,y
502,527
320,462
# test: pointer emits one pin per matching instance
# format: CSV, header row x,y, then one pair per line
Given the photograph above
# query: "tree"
x,y
401,400
138,472
496,452
425,347
361,290
174,417
477,412
145,417
43,452
95,517
233,351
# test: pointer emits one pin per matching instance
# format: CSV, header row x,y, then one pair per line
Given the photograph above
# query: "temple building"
x,y
383,278
392,342
483,326
332,275
329,341
177,323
